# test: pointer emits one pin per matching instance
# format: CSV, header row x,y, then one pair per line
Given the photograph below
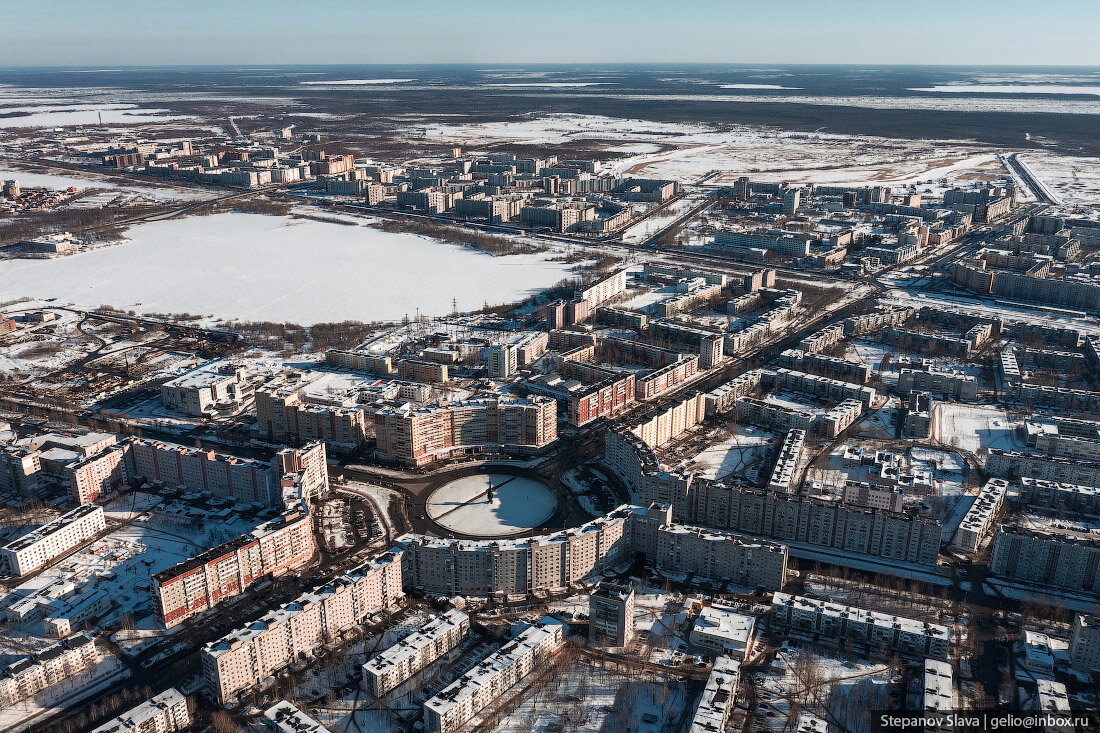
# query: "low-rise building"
x,y
27,676
719,695
162,713
285,717
400,662
723,631
823,622
492,678
51,541
244,658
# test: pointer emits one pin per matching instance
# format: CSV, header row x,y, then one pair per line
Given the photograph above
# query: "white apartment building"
x,y
414,653
163,713
217,387
832,623
1084,644
490,679
786,466
604,290
284,717
723,631
709,553
29,675
247,656
503,360
716,704
979,517
938,693
50,541
611,614
495,567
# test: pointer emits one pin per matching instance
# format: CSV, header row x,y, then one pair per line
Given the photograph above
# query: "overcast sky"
x,y
151,32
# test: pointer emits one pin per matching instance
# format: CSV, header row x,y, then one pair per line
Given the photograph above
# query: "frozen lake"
x,y
519,504
269,268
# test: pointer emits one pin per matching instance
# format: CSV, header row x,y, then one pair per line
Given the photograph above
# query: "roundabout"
x,y
491,505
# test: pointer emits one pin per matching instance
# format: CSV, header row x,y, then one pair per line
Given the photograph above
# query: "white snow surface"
x,y
258,267
519,504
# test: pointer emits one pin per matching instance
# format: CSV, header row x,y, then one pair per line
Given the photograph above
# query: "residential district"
x,y
798,453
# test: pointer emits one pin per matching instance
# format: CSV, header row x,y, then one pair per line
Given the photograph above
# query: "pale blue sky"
x,y
151,32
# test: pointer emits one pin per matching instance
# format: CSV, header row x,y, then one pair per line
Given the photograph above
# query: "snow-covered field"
x,y
518,505
972,427
257,267
734,455
764,154
1072,179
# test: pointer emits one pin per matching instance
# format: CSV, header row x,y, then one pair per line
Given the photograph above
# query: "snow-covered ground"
x,y
257,267
518,505
735,455
691,150
1073,179
973,427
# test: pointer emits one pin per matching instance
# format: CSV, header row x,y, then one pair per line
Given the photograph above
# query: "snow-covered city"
x,y
417,395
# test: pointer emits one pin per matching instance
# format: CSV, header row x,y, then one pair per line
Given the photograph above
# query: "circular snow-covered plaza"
x,y
517,505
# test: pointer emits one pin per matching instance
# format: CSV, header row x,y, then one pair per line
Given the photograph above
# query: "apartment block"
x,y
823,339
611,614
206,391
501,567
822,386
606,398
814,520
604,289
51,541
360,361
245,480
919,413
953,384
1010,464
659,381
1053,497
719,696
708,344
1084,643
1055,557
30,675
490,679
400,662
316,405
786,464
719,556
418,370
284,717
420,436
826,366
725,397
979,517
99,473
20,470
823,622
244,658
162,713
840,417
771,415
274,548
502,360
671,421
